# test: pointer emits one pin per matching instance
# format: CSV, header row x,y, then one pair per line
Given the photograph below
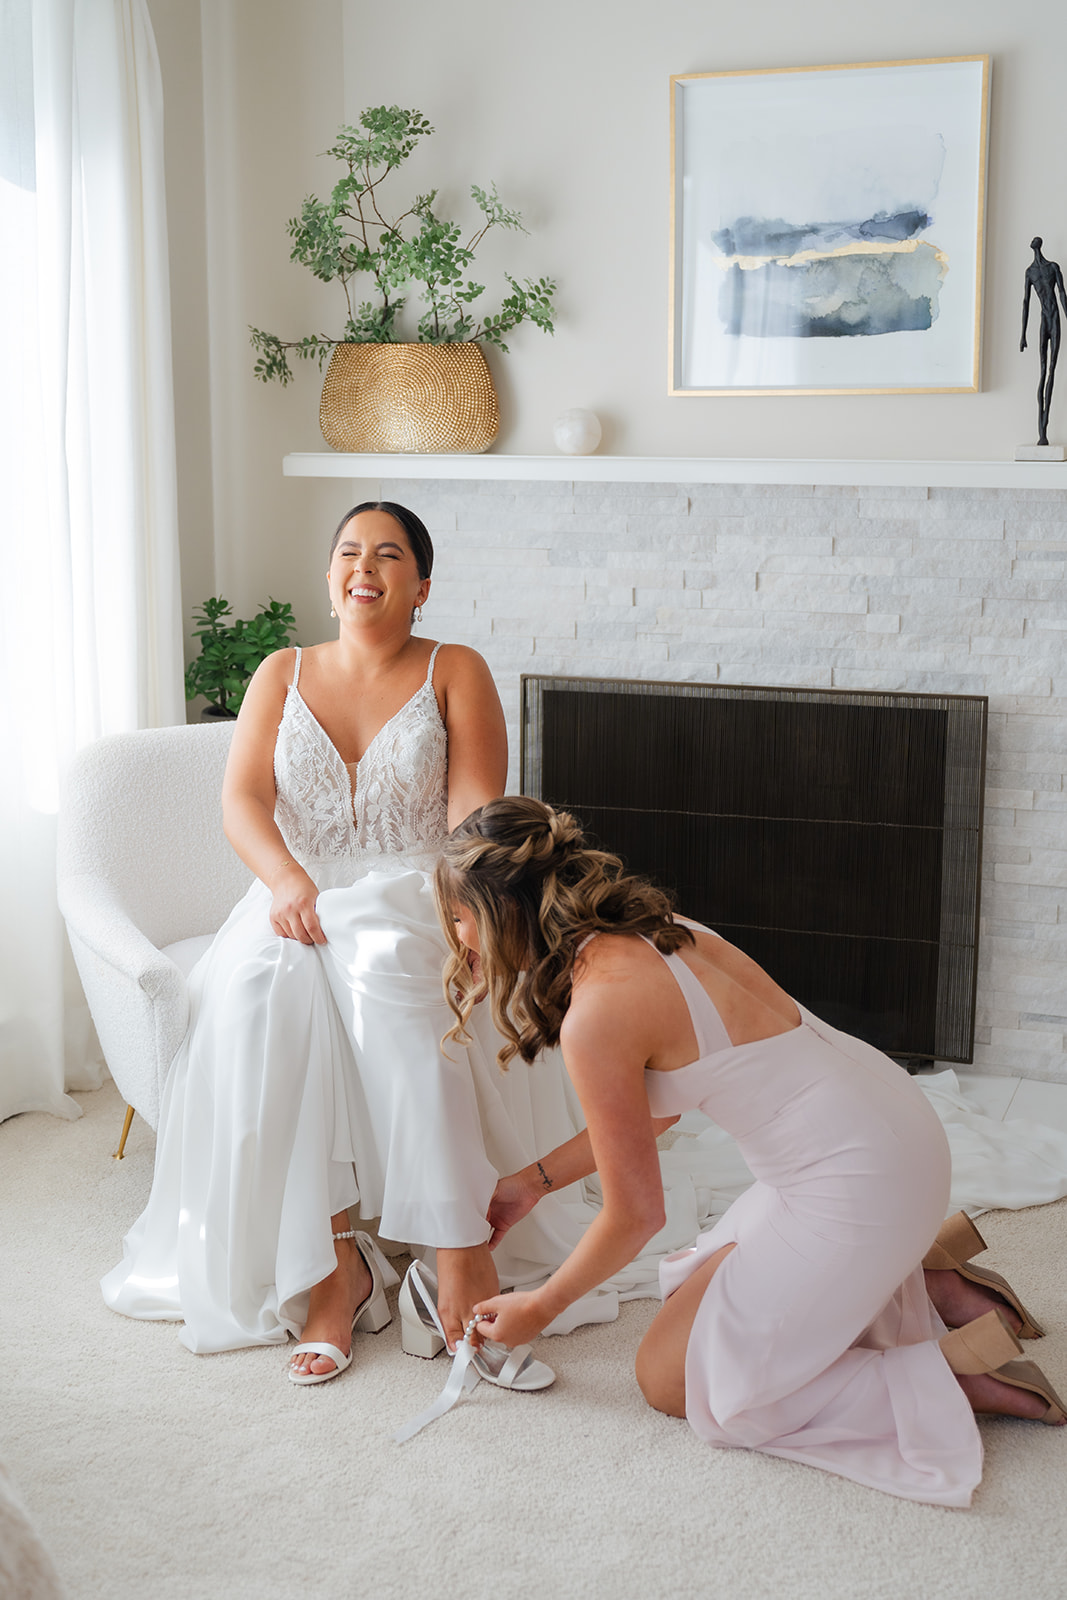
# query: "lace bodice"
x,y
398,804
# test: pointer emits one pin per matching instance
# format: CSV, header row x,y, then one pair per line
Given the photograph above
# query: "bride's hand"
x,y
292,911
512,1200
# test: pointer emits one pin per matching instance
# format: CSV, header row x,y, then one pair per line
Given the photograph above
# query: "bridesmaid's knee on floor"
x,y
660,1364
660,1378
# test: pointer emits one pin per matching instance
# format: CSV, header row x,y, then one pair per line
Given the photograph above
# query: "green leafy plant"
x,y
231,651
347,235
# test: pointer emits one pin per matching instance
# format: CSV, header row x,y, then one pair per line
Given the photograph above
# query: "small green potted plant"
x,y
231,651
383,392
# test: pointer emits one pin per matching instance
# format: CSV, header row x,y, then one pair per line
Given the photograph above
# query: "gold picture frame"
x,y
827,228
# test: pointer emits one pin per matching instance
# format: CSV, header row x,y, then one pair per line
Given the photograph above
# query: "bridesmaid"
x,y
803,1324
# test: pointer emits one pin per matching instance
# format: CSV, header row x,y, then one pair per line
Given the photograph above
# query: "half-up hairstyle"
x,y
536,889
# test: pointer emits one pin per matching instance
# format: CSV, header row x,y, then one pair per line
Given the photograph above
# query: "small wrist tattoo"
x,y
545,1179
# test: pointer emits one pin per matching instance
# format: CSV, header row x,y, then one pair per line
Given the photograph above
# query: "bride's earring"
x,y
416,615
333,613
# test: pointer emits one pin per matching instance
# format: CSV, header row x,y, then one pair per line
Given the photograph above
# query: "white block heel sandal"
x,y
371,1316
422,1334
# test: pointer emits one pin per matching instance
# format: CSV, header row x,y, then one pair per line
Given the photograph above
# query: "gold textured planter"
x,y
428,397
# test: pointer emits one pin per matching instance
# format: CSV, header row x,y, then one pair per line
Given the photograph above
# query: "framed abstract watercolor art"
x,y
827,228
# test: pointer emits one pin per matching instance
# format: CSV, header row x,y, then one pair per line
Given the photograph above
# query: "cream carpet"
x,y
153,1473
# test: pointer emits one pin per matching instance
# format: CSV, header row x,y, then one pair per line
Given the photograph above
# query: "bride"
x,y
311,1078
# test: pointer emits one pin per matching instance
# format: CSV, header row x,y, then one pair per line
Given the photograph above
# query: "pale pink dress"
x,y
815,1339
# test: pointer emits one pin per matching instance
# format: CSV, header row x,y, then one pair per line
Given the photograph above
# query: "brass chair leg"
x,y
119,1154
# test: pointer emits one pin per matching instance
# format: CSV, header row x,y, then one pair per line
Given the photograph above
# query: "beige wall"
x,y
565,107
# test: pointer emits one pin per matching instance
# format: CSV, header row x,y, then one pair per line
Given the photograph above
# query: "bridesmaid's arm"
x,y
477,737
602,1040
248,800
516,1195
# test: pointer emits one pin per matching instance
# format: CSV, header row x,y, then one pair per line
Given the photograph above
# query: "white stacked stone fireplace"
x,y
893,587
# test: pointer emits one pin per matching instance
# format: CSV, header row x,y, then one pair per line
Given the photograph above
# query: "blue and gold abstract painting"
x,y
846,280
827,228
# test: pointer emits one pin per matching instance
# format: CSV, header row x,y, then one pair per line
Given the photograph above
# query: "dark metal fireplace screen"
x,y
834,836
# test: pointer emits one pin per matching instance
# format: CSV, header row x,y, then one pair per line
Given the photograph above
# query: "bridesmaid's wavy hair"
x,y
536,889
413,526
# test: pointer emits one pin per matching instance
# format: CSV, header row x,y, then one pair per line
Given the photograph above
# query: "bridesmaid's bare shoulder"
x,y
615,978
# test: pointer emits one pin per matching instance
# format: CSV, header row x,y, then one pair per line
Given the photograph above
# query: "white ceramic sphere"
x,y
577,432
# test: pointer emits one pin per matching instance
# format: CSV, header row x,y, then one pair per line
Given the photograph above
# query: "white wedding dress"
x,y
312,1078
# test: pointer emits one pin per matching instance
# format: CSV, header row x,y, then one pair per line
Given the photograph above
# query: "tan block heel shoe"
x,y
957,1241
988,1345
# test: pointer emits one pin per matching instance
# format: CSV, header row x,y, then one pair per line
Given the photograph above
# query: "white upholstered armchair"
x,y
146,878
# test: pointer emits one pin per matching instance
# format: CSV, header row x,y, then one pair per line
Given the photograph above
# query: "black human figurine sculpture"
x,y
1044,277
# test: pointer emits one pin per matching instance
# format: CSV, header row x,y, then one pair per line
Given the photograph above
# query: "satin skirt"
x,y
313,1078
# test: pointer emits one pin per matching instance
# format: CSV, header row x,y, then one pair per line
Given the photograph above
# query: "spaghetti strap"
x,y
296,669
708,1026
433,658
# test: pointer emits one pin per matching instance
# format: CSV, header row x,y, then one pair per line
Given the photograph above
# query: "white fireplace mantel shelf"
x,y
681,469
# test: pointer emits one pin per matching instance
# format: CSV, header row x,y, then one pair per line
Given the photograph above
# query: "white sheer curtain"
x,y
89,589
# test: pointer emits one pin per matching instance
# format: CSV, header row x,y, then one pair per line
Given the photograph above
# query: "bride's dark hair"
x,y
536,889
418,538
